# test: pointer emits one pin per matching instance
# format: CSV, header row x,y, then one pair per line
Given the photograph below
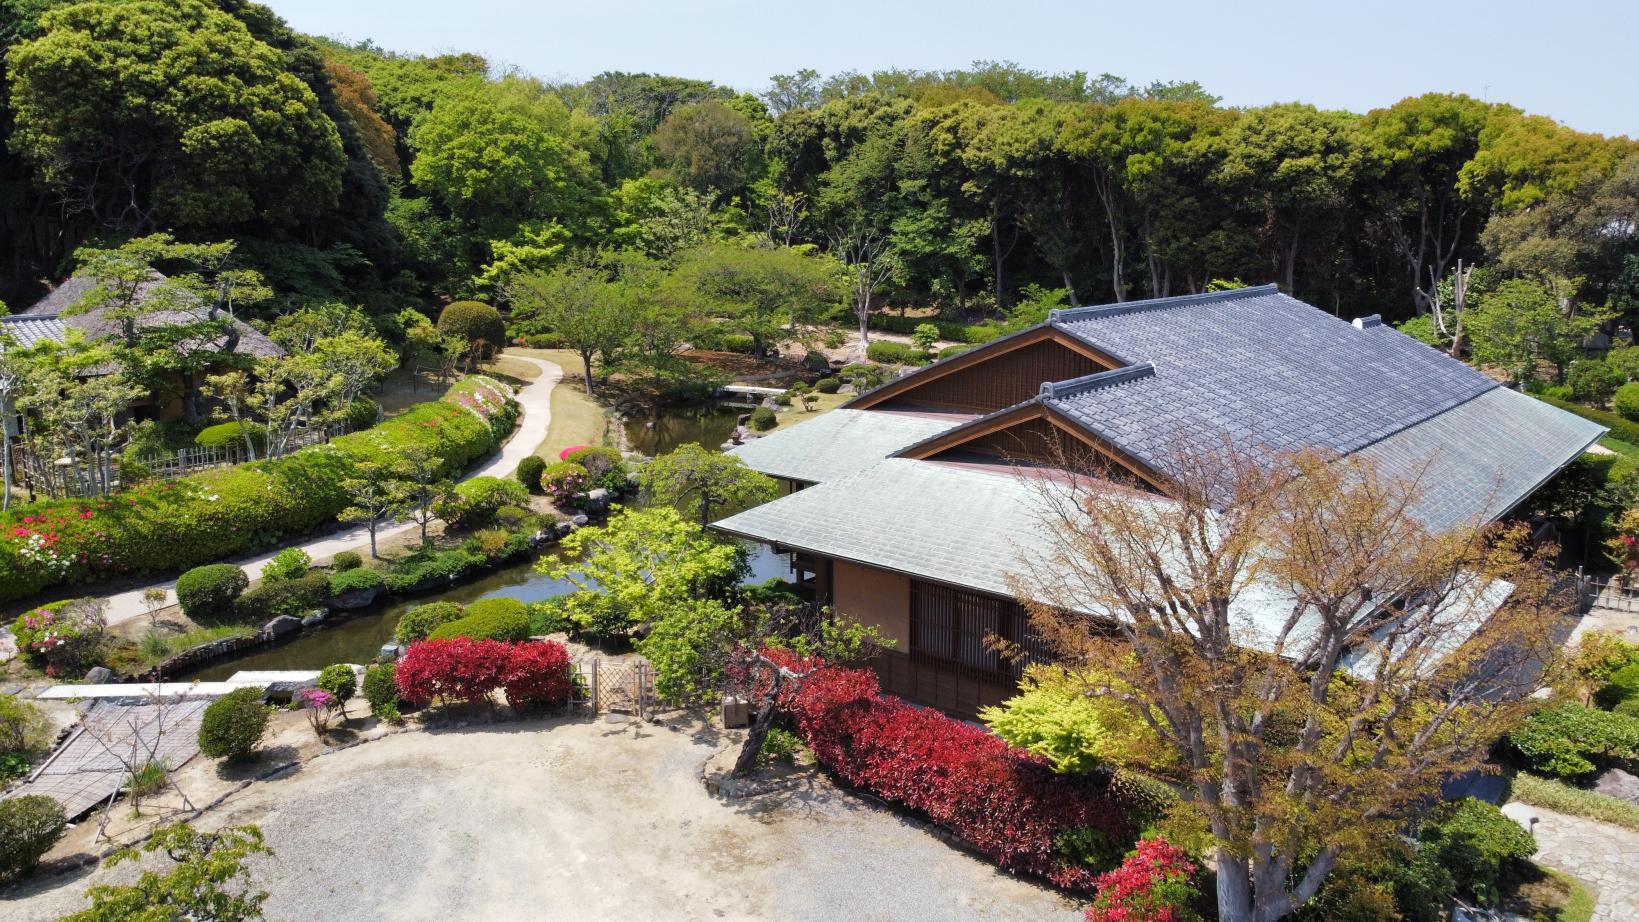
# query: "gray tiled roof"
x,y
1480,458
839,443
65,297
27,330
1263,369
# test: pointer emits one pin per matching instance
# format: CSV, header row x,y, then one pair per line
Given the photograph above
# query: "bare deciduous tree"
x,y
866,265
1318,657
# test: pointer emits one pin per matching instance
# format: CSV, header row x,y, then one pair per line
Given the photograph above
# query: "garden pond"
x,y
358,639
658,431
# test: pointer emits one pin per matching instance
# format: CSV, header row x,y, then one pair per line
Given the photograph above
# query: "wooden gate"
x,y
621,688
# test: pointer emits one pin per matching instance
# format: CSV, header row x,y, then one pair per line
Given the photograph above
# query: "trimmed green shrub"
x,y
338,679
564,481
355,581
1622,685
1625,401
828,385
1568,740
889,352
29,826
472,321
290,563
1592,380
229,435
972,333
287,597
423,570
1473,841
951,351
380,690
232,726
473,502
167,526
210,591
488,619
346,560
783,400
516,517
421,620
763,419
863,376
362,413
529,473
604,467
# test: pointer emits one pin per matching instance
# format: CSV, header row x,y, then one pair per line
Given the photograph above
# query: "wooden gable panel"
x,y
993,377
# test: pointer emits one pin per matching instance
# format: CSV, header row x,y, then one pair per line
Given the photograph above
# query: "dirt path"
x,y
580,819
534,399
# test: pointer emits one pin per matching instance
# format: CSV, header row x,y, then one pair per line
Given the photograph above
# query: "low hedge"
x,y
888,352
533,675
294,597
1569,740
488,619
210,591
1004,802
165,526
1626,430
423,570
355,581
230,435
970,333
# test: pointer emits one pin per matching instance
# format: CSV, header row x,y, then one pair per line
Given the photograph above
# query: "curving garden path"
x,y
535,402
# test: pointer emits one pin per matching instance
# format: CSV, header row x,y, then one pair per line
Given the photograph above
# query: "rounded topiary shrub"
x,y
346,560
564,481
1626,401
210,591
488,619
473,321
889,352
356,580
381,689
950,351
529,473
763,419
290,563
29,826
604,466
233,725
421,620
229,435
828,385
362,413
284,597
338,679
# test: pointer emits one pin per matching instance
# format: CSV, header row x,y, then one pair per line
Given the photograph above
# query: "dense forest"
x,y
352,173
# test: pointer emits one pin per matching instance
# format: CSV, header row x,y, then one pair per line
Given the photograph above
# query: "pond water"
x,y
665,428
358,639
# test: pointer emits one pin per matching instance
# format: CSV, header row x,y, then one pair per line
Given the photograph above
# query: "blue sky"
x,y
1570,59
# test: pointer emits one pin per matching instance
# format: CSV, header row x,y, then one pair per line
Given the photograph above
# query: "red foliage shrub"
x,y
1005,802
1152,885
458,668
533,674
537,676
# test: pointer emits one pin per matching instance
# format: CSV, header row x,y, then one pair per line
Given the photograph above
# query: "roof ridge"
x,y
1059,315
29,317
1051,390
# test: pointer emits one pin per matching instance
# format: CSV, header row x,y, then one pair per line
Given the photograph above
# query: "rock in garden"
x,y
282,626
1618,783
388,651
314,619
98,675
580,521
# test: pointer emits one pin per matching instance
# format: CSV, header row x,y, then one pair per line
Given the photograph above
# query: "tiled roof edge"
x,y
1051,390
1067,314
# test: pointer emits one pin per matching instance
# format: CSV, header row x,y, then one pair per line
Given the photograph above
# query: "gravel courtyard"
x,y
583,820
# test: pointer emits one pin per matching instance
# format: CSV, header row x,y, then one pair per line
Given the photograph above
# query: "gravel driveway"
x,y
582,820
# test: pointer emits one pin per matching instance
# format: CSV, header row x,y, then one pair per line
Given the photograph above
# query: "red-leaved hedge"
x,y
1152,885
1003,801
533,674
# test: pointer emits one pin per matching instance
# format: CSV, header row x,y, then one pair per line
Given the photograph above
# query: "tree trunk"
x,y
586,359
1070,287
996,251
1234,890
760,725
373,554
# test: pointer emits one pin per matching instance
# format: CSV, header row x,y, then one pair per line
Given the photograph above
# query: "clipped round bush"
x,y
950,351
863,375
828,385
421,620
380,691
338,679
346,560
1626,401
232,726
1474,842
362,413
290,563
783,400
604,466
355,581
287,597
210,591
1592,380
564,481
29,826
488,619
529,473
537,676
889,352
1622,685
473,321
763,419
228,435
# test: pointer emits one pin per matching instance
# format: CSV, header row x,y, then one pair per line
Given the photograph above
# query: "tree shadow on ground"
x,y
265,760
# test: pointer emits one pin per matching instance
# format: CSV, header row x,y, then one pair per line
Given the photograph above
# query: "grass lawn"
x,y
577,419
824,403
1619,446
1565,798
397,394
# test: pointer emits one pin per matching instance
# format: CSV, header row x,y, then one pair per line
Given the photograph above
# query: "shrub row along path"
x,y
1600,854
535,402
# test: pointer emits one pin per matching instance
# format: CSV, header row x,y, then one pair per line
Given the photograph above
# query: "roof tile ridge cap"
x,y
1051,390
1062,314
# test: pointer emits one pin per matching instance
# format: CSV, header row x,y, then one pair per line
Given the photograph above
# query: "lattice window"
x,y
952,624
